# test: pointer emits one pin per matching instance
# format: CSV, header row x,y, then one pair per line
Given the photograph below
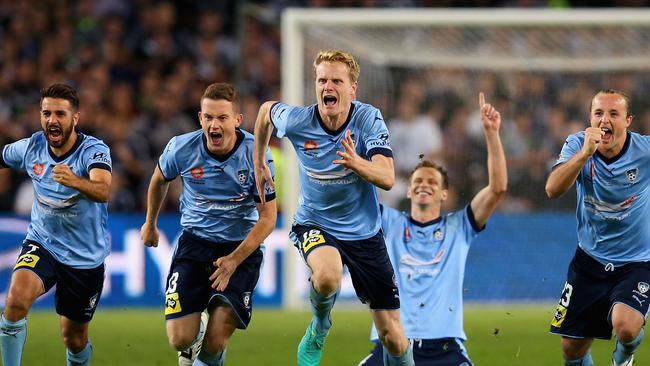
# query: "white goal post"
x,y
543,40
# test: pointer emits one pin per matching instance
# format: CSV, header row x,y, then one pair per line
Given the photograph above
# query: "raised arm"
x,y
486,200
156,194
227,265
263,130
379,171
97,187
564,175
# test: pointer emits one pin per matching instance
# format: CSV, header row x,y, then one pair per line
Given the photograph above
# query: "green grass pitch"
x,y
500,335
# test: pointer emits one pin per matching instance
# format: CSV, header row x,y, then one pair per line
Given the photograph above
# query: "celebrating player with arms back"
x,y
67,239
607,282
344,152
217,262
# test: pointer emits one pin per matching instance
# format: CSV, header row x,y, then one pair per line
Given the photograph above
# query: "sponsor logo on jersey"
x,y
197,173
38,169
172,304
558,318
632,174
100,157
27,260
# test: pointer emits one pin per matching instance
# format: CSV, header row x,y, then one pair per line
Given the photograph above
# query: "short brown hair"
x,y
625,97
62,91
439,168
333,55
219,91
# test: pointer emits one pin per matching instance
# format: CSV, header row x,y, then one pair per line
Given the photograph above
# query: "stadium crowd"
x,y
141,66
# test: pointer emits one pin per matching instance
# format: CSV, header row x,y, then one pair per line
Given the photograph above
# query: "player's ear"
x,y
238,119
628,120
444,194
75,119
200,115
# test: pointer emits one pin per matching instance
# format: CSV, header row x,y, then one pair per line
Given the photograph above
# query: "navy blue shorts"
x,y
77,290
426,352
591,291
188,283
367,260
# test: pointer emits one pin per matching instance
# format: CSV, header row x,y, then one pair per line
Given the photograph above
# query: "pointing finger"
x,y
481,99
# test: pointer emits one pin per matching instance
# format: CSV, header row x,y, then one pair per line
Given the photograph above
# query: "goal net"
x,y
540,68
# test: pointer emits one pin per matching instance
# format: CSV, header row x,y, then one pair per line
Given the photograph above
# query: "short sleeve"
x,y
284,117
377,139
98,156
167,161
13,155
571,146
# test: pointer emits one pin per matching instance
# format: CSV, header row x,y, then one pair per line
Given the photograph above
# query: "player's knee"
x,y
16,306
394,342
626,331
215,345
74,342
574,349
180,341
326,281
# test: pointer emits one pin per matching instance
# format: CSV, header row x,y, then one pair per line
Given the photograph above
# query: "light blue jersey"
x,y
613,207
219,192
429,264
333,198
64,221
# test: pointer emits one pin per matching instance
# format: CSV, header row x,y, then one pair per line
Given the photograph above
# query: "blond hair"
x,y
334,55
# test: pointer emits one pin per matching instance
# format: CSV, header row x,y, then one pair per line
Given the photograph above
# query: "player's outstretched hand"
x,y
263,177
149,235
62,174
490,117
226,266
349,157
592,139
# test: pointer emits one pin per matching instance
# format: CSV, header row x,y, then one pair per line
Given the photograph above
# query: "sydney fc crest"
x,y
242,175
632,174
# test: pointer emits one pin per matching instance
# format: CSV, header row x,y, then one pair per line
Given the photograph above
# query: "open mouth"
x,y
422,193
215,138
54,133
329,100
608,133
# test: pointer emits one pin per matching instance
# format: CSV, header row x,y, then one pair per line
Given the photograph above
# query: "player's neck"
x,y
614,150
335,122
424,214
60,151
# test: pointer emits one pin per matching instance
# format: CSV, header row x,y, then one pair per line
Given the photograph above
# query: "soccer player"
x,y
428,252
67,238
607,281
217,262
344,152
